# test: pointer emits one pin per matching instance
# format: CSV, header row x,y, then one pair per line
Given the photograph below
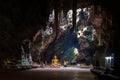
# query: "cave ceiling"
x,y
22,19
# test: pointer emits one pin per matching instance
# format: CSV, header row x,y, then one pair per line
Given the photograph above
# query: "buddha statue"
x,y
55,60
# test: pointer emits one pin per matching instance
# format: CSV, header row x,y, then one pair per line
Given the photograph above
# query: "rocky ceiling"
x,y
22,19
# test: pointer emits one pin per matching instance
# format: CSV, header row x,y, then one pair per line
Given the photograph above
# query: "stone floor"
x,y
67,73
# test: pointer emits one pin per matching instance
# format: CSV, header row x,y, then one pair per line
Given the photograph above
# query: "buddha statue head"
x,y
55,57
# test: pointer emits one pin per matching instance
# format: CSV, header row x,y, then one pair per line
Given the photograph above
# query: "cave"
x,y
56,27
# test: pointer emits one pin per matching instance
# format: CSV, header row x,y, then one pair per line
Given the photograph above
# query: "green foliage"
x,y
90,28
89,36
69,55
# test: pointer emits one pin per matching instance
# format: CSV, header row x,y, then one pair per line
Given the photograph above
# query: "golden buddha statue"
x,y
55,60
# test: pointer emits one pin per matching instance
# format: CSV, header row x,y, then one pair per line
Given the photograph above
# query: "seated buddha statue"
x,y
55,60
